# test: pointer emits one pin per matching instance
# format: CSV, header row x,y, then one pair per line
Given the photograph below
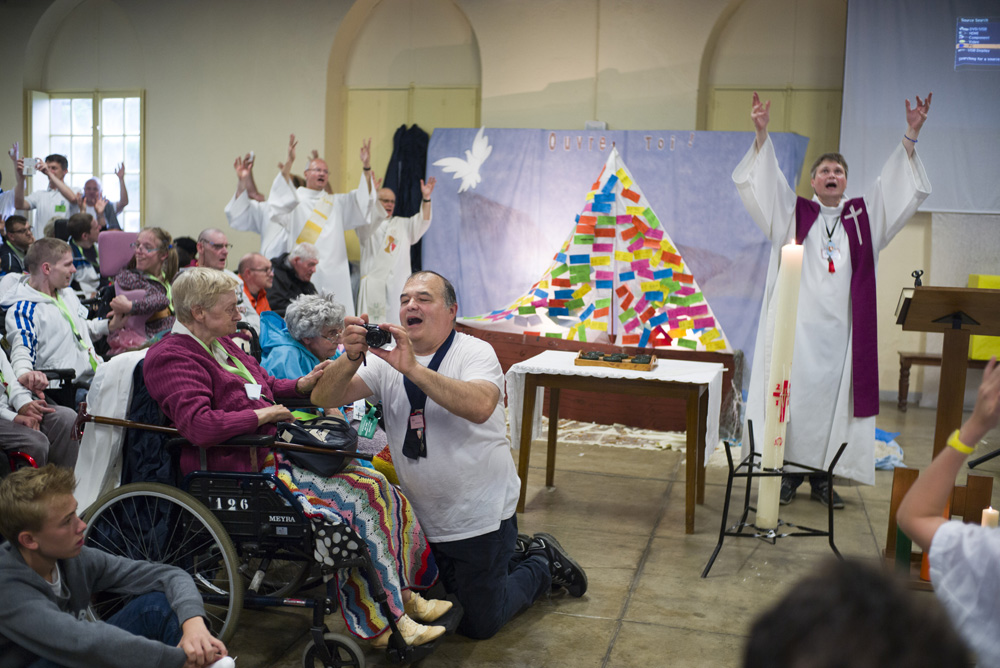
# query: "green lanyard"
x,y
17,253
162,280
61,305
240,369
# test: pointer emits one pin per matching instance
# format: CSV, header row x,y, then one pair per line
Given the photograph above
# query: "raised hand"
x,y
286,167
427,188
916,116
366,152
100,205
760,113
120,172
15,153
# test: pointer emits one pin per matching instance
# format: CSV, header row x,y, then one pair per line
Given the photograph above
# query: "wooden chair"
x,y
967,501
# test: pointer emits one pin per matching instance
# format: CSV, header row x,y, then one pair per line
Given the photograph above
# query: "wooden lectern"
x,y
958,313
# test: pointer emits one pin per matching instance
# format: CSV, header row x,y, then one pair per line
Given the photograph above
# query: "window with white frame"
x,y
96,132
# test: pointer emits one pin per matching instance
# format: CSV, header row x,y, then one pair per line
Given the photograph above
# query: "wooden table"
x,y
699,384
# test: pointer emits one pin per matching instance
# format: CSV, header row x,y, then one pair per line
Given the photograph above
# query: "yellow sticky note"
x,y
543,284
656,259
582,290
590,195
651,286
635,210
623,177
668,247
710,335
597,260
571,335
643,254
623,256
601,326
686,324
676,267
716,345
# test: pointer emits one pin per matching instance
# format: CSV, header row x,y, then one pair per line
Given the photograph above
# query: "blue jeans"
x,y
478,571
149,616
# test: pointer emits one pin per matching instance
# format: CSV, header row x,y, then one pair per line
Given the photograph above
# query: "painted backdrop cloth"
x,y
385,262
384,520
821,403
495,239
320,219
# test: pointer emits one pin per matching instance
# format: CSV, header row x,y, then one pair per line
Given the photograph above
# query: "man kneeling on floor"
x,y
442,397
47,577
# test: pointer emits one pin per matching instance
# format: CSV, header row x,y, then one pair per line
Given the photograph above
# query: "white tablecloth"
x,y
561,362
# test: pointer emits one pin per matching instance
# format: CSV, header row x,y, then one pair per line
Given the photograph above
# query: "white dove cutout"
x,y
468,169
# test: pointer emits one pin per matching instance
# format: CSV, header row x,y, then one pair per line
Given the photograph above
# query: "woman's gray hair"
x,y
308,315
199,286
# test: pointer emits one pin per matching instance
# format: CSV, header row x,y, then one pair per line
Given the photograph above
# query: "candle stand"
x,y
750,468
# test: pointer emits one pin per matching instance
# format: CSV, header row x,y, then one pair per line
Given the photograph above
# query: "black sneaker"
x,y
819,493
788,492
566,573
521,543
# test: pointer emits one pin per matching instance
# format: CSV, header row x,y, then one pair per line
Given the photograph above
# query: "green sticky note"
x,y
693,345
583,239
553,335
651,218
605,221
560,270
581,332
603,303
580,272
575,303
696,298
526,310
676,299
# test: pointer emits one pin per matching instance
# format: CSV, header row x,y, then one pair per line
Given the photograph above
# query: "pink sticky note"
x,y
685,291
645,272
697,310
625,219
641,305
632,324
635,245
704,322
588,207
604,276
639,264
604,248
655,234
540,302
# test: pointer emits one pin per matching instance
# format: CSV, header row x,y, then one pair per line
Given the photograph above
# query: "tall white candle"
x,y
990,517
779,383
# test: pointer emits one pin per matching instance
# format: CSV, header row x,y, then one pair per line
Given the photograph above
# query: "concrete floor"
x,y
620,513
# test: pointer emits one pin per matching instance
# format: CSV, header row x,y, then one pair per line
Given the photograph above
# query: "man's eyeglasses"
x,y
266,270
18,231
319,171
218,247
137,247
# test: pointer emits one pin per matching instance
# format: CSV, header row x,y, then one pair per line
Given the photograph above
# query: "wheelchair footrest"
x,y
449,621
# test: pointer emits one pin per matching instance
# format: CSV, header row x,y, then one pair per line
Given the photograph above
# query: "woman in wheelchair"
x,y
213,391
151,269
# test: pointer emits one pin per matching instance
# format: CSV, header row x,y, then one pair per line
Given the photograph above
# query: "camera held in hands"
x,y
377,338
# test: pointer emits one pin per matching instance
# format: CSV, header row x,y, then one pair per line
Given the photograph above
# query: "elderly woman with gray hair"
x,y
213,391
309,333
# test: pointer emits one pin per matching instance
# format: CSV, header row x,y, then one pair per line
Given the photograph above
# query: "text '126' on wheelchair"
x,y
243,537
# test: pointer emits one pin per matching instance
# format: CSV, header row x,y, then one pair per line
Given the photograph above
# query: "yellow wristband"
x,y
958,445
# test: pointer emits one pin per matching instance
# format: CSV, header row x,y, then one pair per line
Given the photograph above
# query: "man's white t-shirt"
x,y
48,204
964,562
467,484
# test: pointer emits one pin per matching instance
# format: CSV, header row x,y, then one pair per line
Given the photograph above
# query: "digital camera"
x,y
377,338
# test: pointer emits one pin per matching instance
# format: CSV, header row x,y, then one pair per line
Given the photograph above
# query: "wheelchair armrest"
x,y
60,374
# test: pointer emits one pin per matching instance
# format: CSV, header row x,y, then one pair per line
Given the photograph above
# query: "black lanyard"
x,y
414,444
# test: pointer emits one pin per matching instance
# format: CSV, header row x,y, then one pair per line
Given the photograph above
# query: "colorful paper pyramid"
x,y
617,278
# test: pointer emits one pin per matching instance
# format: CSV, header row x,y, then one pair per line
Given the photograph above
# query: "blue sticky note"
x,y
600,207
558,311
610,185
653,296
604,285
579,259
561,257
586,313
541,294
658,320
626,276
644,339
563,294
577,219
663,273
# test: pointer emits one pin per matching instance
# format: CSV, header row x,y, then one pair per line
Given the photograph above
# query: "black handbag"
x,y
328,433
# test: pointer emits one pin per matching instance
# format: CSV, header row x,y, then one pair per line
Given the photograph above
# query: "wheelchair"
x,y
243,537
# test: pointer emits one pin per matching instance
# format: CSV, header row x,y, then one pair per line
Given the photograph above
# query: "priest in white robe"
x,y
385,253
248,211
311,215
834,375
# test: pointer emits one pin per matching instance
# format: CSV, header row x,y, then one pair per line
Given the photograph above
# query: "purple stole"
x,y
864,334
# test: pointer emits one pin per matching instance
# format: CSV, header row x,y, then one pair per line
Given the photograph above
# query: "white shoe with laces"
x,y
422,610
413,634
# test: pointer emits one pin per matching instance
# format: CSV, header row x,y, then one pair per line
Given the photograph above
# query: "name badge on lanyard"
x,y
253,391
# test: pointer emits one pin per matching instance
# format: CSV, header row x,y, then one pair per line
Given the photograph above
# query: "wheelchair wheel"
x,y
345,653
159,523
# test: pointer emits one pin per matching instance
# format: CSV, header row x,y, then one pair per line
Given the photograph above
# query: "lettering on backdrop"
x,y
573,142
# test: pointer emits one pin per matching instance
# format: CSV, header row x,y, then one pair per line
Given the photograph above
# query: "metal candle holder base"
x,y
751,468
